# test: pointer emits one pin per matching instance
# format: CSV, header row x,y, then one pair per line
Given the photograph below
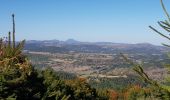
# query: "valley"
x,y
98,60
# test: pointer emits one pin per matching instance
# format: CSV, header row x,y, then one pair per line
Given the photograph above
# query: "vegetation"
x,y
160,90
20,80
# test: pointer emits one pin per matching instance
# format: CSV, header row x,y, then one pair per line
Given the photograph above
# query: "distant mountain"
x,y
53,42
92,47
72,41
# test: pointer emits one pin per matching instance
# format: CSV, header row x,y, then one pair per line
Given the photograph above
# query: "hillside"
x,y
70,45
88,59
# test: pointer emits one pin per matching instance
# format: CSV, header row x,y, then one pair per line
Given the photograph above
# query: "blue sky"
x,y
120,21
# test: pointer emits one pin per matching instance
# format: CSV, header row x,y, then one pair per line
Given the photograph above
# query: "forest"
x,y
22,80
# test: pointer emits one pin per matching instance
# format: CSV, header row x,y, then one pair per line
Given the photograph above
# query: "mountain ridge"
x,y
72,45
73,41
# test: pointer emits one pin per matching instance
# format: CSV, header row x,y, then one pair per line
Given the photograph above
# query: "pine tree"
x,y
161,91
19,80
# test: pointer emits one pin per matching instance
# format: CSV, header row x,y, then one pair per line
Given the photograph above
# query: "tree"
x,y
19,80
162,91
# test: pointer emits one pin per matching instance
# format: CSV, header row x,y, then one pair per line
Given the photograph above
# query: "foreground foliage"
x,y
160,90
20,80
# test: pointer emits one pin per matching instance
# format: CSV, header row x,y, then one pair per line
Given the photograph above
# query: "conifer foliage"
x,y
161,91
19,80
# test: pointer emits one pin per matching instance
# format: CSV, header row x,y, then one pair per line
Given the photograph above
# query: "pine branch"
x,y
165,11
159,32
139,70
166,45
9,59
162,24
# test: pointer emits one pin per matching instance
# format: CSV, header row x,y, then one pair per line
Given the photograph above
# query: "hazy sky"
x,y
122,21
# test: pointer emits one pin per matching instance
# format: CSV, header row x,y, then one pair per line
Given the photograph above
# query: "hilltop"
x,y
72,45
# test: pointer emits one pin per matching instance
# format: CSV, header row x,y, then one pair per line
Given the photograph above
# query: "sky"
x,y
119,21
